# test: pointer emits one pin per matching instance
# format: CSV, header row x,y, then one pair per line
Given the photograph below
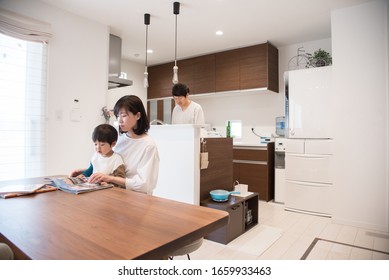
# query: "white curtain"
x,y
23,27
23,78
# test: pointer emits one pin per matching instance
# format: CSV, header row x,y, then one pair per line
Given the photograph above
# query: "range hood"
x,y
115,58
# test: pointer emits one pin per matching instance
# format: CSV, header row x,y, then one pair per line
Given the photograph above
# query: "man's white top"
x,y
193,114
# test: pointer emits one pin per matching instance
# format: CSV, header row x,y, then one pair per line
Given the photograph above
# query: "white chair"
x,y
186,250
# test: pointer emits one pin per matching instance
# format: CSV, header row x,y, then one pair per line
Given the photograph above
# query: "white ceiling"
x,y
244,22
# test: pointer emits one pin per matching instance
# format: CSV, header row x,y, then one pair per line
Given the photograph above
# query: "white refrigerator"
x,y
308,148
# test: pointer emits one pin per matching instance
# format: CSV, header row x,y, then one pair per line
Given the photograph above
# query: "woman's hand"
x,y
98,178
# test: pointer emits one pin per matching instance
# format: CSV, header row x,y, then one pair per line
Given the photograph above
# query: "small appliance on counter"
x,y
264,138
280,126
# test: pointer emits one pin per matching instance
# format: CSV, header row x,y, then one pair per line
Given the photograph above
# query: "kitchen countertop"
x,y
248,144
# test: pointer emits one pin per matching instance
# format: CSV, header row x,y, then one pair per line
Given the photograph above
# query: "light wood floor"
x,y
286,235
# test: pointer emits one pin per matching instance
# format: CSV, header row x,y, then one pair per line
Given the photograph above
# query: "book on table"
x,y
77,185
24,189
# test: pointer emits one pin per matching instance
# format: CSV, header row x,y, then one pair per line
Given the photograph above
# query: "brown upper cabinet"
x,y
204,74
227,70
160,81
258,67
239,69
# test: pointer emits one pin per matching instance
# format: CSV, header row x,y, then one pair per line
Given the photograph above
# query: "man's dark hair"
x,y
180,90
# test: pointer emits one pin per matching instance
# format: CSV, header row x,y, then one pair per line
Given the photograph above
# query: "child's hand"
x,y
82,177
76,172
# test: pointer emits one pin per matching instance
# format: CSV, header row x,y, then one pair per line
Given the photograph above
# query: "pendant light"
x,y
176,11
146,74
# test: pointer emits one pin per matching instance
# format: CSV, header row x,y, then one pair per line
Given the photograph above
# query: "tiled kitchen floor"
x,y
286,235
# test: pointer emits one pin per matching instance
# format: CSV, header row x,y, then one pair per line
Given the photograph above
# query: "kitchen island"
x,y
110,224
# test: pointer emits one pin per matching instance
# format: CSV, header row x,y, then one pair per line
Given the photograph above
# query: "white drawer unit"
x,y
308,168
308,197
308,175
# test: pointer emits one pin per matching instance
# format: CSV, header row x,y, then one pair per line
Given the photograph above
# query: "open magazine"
x,y
78,185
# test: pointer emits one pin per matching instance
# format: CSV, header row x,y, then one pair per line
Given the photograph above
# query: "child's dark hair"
x,y
180,90
133,104
105,133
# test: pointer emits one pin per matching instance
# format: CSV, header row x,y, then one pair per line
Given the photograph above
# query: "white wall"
x,y
360,54
255,109
78,69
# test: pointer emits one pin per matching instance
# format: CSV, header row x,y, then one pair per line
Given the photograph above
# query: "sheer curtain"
x,y
23,67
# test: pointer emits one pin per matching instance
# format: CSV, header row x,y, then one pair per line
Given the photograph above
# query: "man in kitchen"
x,y
186,111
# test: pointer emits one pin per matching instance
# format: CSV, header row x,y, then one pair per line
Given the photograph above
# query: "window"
x,y
23,108
236,129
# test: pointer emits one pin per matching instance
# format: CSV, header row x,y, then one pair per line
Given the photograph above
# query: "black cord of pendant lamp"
x,y
146,74
176,11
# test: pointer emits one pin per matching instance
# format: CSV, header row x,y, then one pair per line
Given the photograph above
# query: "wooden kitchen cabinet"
x,y
258,67
160,81
227,70
243,215
185,73
204,74
254,166
247,68
239,69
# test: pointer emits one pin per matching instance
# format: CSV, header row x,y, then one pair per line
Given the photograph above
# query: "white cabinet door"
x,y
308,168
319,146
308,197
309,103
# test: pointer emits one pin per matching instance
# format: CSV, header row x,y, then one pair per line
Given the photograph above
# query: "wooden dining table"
x,y
109,224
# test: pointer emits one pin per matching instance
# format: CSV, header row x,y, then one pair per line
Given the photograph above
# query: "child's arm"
x,y
86,172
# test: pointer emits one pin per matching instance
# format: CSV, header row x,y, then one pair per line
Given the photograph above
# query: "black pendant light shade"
x,y
176,8
147,19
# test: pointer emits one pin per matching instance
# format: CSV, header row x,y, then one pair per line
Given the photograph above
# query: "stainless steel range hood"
x,y
115,58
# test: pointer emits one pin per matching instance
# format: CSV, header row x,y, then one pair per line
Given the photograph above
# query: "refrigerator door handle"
x,y
310,184
309,156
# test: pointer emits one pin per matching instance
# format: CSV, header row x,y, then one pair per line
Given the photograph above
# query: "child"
x,y
104,160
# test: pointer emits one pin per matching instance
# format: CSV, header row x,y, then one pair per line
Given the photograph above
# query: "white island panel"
x,y
179,168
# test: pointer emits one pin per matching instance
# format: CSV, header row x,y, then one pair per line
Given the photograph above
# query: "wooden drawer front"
x,y
246,154
255,176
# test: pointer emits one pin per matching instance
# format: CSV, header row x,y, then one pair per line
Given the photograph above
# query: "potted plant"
x,y
319,58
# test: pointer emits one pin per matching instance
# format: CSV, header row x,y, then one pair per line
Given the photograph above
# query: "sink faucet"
x,y
158,122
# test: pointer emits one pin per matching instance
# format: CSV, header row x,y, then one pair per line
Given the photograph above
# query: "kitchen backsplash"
x,y
248,137
256,110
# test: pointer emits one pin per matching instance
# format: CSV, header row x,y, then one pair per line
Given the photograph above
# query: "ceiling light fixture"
x,y
219,32
176,11
146,74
